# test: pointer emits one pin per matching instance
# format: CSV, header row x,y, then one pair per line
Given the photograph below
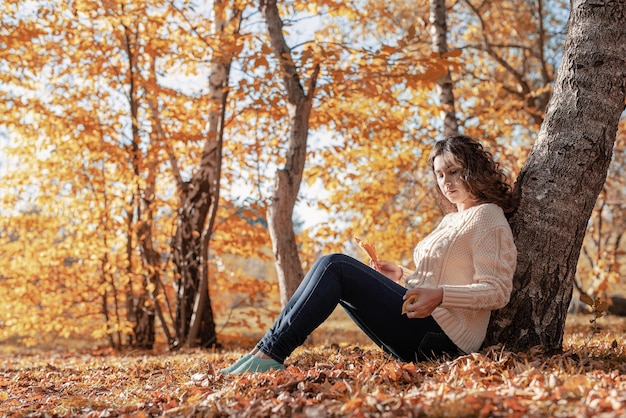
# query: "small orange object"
x,y
368,248
409,300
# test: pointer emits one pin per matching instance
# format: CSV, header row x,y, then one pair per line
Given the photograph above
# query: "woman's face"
x,y
448,173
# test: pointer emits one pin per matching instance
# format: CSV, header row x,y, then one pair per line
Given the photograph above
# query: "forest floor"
x,y
337,373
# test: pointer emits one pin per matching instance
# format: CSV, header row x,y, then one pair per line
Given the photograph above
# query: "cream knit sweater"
x,y
472,256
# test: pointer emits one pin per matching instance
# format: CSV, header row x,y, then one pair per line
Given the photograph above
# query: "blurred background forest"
x,y
108,110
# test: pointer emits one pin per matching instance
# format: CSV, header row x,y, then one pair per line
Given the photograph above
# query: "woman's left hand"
x,y
427,301
387,268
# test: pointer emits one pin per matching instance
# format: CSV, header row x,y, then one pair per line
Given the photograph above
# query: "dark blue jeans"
x,y
372,300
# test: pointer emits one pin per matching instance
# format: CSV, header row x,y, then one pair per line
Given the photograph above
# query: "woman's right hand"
x,y
387,268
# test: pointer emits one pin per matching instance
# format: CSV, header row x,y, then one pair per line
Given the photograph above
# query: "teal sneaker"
x,y
236,364
257,365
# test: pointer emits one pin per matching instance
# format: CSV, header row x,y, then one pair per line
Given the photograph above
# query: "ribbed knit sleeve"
x,y
494,259
406,272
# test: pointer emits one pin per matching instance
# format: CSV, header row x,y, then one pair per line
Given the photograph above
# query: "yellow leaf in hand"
x,y
368,248
408,301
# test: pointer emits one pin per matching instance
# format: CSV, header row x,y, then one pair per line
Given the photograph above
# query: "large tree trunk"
x,y
280,211
439,33
564,174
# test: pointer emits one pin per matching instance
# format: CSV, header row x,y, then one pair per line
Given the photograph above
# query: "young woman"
x,y
463,271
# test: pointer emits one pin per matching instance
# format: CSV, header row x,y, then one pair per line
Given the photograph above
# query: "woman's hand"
x,y
387,268
426,302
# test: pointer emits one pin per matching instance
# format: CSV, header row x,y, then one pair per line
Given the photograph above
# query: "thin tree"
x,y
439,33
288,178
199,198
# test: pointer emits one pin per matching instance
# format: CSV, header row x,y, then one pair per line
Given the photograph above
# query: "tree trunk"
x,y
139,308
195,202
150,256
287,183
199,201
564,175
194,321
439,32
146,305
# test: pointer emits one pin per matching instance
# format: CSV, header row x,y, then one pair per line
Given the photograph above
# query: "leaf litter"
x,y
325,380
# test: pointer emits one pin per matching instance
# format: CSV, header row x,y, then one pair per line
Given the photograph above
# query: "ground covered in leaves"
x,y
325,379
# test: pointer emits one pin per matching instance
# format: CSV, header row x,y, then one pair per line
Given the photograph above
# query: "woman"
x,y
464,269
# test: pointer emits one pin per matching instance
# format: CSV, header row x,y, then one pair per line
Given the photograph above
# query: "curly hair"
x,y
482,175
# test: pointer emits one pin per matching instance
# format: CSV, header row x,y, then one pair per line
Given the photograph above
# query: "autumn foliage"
x,y
107,110
105,107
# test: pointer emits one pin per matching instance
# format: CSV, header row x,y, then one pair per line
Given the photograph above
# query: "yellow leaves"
x,y
371,98
411,299
368,248
315,173
342,10
85,6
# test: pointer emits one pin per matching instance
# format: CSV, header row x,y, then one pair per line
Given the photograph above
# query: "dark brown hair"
x,y
482,175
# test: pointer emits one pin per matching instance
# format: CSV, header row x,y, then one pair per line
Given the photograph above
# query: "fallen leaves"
x,y
586,379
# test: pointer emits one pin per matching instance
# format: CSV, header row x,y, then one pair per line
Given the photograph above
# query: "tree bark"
x,y
140,310
287,183
199,199
564,175
150,255
439,32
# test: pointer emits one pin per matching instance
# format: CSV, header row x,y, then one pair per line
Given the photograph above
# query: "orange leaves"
x,y
455,53
93,384
320,380
368,248
495,382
